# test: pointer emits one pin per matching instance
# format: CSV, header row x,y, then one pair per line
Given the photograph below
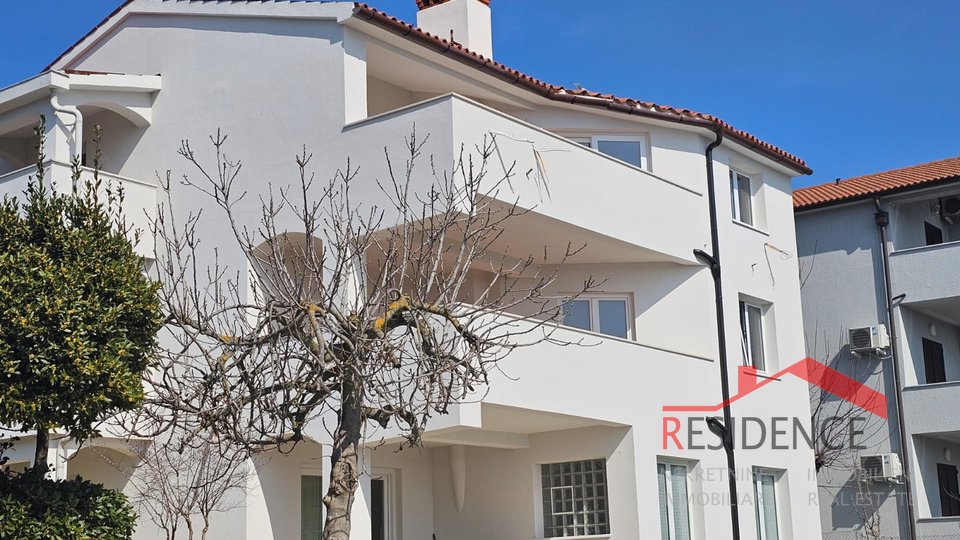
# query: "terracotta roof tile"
x,y
551,91
860,187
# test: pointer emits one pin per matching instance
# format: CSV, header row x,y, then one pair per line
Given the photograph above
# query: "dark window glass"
x,y
576,313
378,517
933,362
628,151
934,234
949,490
311,507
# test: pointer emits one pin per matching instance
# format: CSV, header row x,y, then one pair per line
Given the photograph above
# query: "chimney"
x,y
467,20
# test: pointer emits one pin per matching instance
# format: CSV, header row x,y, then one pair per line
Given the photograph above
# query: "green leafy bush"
x,y
35,508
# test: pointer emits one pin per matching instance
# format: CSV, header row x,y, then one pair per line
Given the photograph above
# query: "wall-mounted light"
x,y
933,330
946,454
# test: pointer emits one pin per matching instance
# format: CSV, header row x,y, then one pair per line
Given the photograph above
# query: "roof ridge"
x,y
878,173
873,184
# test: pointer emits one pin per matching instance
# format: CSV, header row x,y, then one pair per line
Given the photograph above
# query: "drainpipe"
x,y
713,262
882,219
77,126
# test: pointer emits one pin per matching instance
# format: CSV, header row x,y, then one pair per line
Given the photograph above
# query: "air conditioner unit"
x,y
881,468
868,338
950,209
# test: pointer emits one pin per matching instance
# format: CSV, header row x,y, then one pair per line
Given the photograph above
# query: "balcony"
x,y
926,273
140,198
925,411
576,194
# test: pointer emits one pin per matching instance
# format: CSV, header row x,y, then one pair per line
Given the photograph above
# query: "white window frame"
x,y
757,492
671,517
735,197
390,500
594,299
743,314
540,526
644,141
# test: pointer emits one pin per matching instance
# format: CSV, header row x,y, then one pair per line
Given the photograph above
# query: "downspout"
x,y
882,219
713,261
77,127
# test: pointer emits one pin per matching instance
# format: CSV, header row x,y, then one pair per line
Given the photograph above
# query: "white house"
x,y
569,441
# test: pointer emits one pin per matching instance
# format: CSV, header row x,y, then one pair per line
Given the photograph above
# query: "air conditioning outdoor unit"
x,y
869,338
881,468
950,209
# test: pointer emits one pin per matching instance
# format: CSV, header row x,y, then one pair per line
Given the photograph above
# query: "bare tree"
x,y
866,504
177,483
382,314
839,425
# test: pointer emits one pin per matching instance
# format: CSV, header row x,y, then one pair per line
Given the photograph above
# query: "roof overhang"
x,y
129,95
343,12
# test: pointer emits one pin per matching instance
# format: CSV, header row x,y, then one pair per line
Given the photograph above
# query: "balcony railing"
x,y
140,198
622,213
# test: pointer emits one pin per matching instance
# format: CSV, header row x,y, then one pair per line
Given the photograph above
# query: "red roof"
x,y
550,91
860,187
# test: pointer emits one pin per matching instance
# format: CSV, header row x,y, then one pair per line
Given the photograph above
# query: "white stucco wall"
x,y
307,84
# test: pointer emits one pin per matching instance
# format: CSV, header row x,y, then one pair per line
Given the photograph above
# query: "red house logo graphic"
x,y
809,370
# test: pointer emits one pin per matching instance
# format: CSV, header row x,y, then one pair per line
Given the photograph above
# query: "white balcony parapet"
x,y
926,273
620,212
140,198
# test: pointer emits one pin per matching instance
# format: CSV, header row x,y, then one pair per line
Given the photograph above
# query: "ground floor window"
x,y
765,493
674,501
575,498
311,506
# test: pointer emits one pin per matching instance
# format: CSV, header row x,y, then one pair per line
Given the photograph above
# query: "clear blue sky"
x,y
851,86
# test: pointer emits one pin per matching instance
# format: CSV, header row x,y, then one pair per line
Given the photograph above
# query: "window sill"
x,y
750,227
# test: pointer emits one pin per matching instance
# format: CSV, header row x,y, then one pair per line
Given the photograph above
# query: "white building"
x,y
626,177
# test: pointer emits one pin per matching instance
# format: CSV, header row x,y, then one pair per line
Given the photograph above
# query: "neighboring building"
x,y
626,177
842,267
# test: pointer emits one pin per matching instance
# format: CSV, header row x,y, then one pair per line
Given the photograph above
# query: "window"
x,y
765,492
741,199
574,497
311,506
933,362
674,501
934,234
751,330
604,314
632,150
383,508
949,490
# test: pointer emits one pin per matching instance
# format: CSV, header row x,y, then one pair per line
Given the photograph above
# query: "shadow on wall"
x,y
851,507
102,466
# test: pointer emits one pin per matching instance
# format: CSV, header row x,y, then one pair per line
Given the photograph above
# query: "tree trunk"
x,y
344,469
43,447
